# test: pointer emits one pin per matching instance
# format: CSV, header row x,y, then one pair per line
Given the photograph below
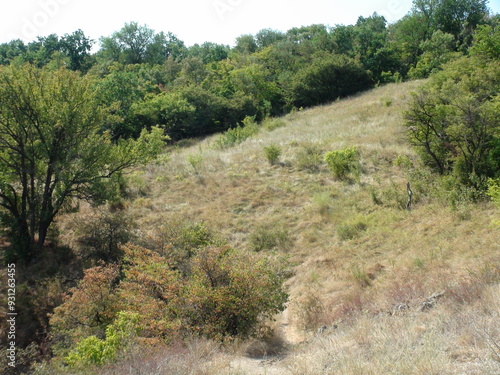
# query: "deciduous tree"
x,y
52,151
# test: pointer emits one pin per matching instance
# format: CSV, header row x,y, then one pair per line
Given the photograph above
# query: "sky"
x,y
193,21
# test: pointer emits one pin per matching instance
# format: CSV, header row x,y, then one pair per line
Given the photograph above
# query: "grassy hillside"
x,y
374,288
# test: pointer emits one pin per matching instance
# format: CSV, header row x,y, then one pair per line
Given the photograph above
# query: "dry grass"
x,y
357,253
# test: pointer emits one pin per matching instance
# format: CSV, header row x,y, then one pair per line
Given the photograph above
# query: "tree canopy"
x,y
52,150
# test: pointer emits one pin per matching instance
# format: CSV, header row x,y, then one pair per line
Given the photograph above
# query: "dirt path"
x,y
270,365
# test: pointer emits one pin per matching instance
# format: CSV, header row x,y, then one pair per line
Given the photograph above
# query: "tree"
x,y
53,152
327,78
267,37
460,18
77,47
135,44
245,44
437,51
454,120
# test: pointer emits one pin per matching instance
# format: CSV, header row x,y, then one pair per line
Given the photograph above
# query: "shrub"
x,y
453,121
179,240
273,153
231,294
344,162
326,79
90,308
195,161
237,135
93,350
309,158
101,234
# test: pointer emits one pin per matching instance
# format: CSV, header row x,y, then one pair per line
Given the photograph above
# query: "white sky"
x,y
193,21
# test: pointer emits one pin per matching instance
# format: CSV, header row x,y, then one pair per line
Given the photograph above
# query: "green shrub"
x,y
494,190
196,162
232,294
93,350
273,153
237,135
344,162
325,79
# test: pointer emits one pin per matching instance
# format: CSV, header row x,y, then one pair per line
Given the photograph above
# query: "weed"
x,y
273,153
271,124
267,237
361,276
196,162
323,203
237,135
309,157
351,229
344,162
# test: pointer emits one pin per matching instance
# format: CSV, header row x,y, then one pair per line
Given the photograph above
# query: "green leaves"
x,y
344,162
454,120
52,148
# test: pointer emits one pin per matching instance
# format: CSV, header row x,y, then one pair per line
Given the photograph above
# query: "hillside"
x,y
374,288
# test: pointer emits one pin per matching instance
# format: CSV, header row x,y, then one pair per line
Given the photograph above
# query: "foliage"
x,y
494,190
135,44
73,48
453,121
436,52
486,42
100,235
273,153
90,308
326,79
344,162
219,293
494,194
93,350
232,294
52,151
237,135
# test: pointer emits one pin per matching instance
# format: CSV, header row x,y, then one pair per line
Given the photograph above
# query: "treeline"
x,y
155,79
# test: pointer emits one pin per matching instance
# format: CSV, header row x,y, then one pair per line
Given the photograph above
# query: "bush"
x,y
326,79
273,153
231,294
237,135
101,234
454,120
195,161
178,240
91,307
344,162
93,350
